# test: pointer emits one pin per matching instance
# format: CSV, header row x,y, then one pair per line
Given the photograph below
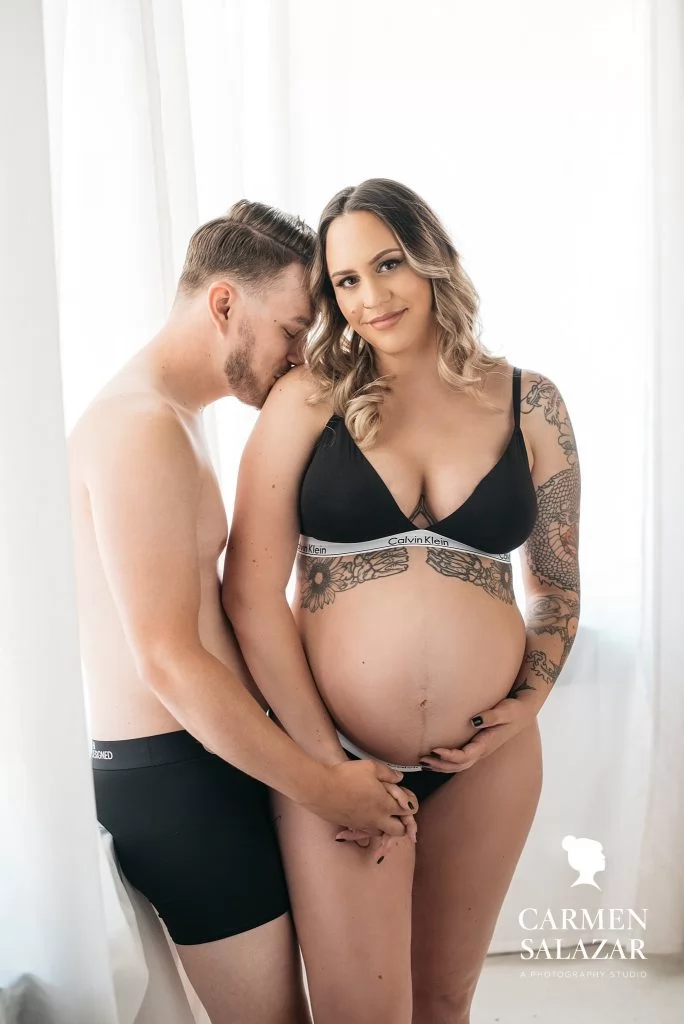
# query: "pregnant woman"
x,y
404,464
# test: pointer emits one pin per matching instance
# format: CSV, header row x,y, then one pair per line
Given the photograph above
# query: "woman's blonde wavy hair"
x,y
341,362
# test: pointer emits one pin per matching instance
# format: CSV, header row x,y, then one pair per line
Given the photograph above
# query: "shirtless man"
x,y
183,752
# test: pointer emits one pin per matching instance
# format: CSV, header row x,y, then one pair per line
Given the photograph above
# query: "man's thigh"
x,y
255,977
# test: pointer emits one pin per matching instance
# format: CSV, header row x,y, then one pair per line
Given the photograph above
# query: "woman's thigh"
x,y
353,919
471,833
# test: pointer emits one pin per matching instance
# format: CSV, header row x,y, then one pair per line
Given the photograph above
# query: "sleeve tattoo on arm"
x,y
552,548
557,616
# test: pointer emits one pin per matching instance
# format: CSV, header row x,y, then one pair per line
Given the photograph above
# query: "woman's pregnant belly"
x,y
404,662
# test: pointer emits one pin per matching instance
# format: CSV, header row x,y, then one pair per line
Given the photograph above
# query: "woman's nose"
x,y
373,294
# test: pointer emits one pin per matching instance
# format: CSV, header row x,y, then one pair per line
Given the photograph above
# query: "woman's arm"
x,y
260,555
550,563
551,578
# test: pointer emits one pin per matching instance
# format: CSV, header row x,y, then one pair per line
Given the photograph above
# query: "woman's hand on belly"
x,y
495,727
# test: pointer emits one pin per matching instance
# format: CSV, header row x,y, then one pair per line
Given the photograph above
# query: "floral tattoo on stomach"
x,y
322,579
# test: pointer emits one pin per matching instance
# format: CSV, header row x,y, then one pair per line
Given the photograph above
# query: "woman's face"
x,y
380,296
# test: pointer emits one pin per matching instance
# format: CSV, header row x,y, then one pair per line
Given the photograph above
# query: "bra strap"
x,y
516,396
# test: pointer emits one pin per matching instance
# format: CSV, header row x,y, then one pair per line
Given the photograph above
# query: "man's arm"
x,y
550,563
144,489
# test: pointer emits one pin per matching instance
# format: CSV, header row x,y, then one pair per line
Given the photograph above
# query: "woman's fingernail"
x,y
380,859
477,720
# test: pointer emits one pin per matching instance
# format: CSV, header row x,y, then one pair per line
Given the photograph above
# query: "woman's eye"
x,y
385,266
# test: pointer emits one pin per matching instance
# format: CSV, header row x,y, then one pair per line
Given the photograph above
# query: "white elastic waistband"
x,y
353,749
312,548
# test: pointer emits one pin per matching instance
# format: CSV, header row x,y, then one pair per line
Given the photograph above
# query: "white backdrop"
x,y
549,138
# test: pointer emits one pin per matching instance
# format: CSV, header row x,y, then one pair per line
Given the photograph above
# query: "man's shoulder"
x,y
127,425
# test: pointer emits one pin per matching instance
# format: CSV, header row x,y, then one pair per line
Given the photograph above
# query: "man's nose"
x,y
295,356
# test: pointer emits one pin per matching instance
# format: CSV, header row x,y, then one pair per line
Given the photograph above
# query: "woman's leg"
x,y
471,833
353,919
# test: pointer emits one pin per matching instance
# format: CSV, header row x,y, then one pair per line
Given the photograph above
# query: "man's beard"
x,y
244,383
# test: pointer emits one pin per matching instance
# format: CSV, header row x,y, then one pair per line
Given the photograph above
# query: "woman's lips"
x,y
381,323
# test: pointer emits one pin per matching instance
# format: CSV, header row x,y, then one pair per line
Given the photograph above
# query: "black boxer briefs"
x,y
192,833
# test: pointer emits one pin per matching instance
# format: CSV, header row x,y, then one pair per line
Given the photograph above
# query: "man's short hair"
x,y
252,242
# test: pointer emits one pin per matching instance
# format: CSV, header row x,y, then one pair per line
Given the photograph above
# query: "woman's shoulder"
x,y
497,384
539,392
541,409
545,420
536,388
296,395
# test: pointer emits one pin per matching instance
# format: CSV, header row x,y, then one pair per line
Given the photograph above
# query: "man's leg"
x,y
254,978
196,837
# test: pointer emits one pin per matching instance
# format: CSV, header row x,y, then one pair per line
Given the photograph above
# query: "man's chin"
x,y
252,396
266,392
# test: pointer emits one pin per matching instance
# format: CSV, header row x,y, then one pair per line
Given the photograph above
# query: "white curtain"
x,y
549,137
52,924
662,869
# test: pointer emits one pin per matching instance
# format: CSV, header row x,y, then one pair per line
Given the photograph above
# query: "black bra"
x,y
344,500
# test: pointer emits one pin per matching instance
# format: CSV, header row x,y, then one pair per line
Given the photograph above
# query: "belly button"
x,y
423,703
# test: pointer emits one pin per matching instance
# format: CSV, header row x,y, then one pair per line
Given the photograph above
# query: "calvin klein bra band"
x,y
309,547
